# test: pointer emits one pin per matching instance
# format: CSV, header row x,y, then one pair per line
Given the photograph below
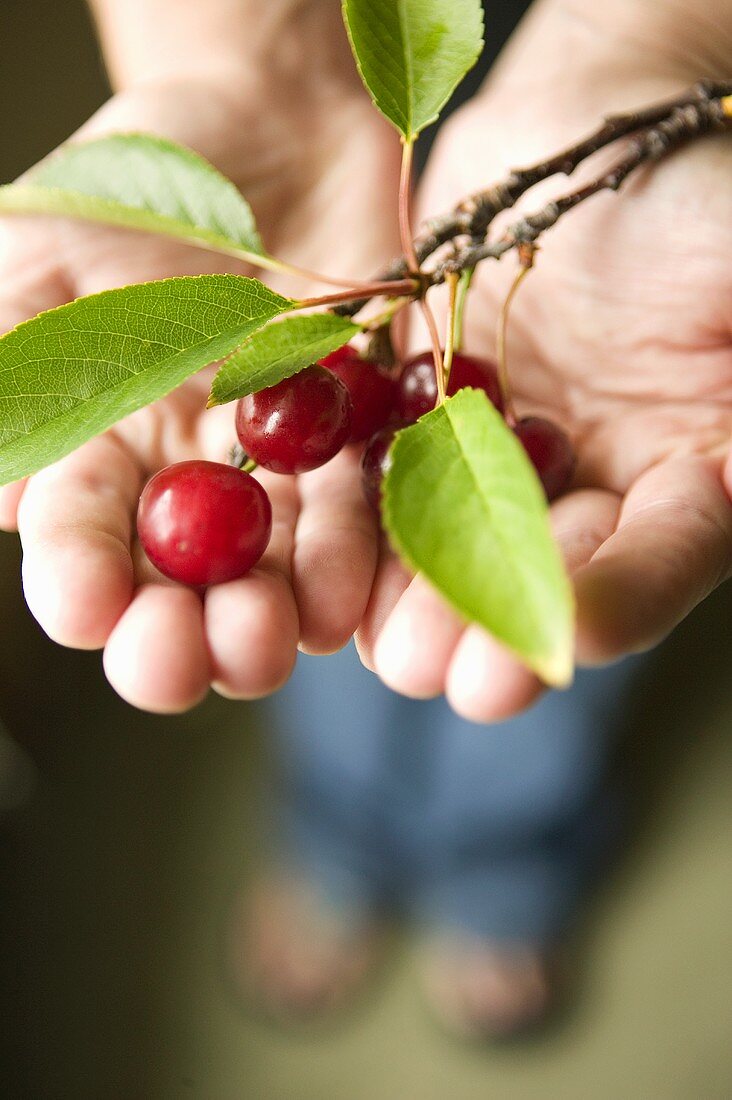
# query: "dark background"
x,y
116,871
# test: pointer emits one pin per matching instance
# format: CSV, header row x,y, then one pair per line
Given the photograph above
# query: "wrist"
x,y
284,44
676,40
692,36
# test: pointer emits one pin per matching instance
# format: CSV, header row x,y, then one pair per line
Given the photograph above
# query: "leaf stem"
x,y
655,132
405,234
392,309
272,264
452,280
22,199
389,289
466,278
407,242
405,205
238,457
527,260
429,318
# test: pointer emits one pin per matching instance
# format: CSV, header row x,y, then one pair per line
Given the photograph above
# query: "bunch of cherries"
x,y
203,523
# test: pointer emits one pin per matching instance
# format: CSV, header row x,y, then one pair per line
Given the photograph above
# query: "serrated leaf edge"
x,y
213,401
410,134
556,670
25,199
225,276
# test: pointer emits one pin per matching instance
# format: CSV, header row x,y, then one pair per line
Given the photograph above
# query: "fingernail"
x,y
400,659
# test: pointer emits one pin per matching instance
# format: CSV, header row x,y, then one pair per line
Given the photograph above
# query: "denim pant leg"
x,y
334,729
519,814
491,829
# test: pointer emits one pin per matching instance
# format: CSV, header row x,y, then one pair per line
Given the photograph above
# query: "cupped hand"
x,y
314,172
622,334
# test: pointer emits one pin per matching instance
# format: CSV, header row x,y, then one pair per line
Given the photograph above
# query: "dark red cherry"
x,y
204,523
296,425
418,385
372,392
550,451
375,463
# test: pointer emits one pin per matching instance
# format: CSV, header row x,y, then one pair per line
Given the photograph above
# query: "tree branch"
x,y
655,131
681,125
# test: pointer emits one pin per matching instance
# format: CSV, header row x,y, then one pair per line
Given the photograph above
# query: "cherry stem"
x,y
527,260
466,278
238,457
429,318
381,319
452,281
407,242
388,289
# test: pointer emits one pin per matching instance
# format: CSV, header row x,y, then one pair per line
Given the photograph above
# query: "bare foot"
x,y
480,989
296,955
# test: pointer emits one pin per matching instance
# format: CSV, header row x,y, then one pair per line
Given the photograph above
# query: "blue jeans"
x,y
489,829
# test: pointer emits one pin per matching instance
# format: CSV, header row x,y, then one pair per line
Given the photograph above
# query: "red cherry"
x,y
296,425
375,464
373,393
550,451
418,385
204,523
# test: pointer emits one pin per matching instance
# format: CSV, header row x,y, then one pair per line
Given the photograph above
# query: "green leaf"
x,y
140,182
279,351
412,54
70,373
463,506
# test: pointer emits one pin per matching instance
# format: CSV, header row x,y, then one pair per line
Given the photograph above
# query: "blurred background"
x,y
135,831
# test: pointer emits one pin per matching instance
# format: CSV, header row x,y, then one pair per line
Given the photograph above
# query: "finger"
x,y
485,683
421,634
417,641
252,624
727,474
75,521
336,546
391,580
9,500
673,546
156,656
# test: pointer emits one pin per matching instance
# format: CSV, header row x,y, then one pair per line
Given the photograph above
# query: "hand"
x,y
313,174
622,334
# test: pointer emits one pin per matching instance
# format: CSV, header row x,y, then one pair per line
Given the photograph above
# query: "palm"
x,y
85,579
623,334
623,329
